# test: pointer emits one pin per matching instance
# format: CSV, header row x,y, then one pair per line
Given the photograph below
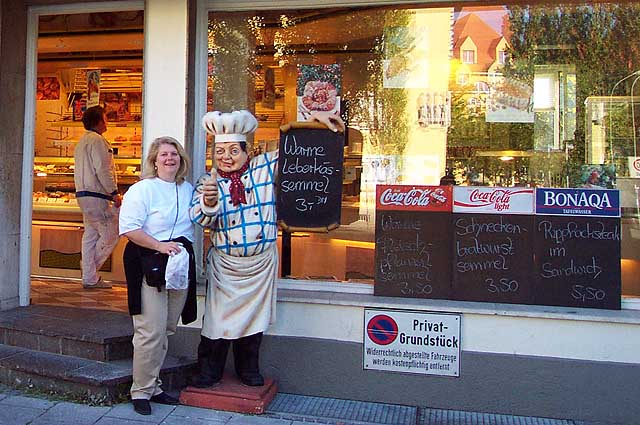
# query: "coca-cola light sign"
x,y
493,200
425,198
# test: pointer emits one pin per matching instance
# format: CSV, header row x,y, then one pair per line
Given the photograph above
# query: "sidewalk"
x,y
17,408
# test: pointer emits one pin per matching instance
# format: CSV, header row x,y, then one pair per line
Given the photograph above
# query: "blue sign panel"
x,y
578,202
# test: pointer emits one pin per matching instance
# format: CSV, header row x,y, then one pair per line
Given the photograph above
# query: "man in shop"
x,y
97,195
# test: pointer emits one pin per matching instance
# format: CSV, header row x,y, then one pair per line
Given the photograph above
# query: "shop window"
x,y
403,76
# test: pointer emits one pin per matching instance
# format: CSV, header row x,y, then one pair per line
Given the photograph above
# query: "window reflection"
x,y
510,95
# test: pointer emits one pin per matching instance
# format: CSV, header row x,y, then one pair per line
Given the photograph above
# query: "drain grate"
x,y
453,417
333,411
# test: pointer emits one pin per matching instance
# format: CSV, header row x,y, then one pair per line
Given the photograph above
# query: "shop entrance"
x,y
83,60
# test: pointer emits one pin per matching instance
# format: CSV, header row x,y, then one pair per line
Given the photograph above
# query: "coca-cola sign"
x,y
492,200
427,198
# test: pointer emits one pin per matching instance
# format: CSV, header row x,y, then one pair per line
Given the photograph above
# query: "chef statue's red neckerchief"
x,y
236,189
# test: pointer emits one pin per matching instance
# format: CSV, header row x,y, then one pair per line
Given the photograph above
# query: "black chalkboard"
x,y
577,261
492,258
309,177
413,254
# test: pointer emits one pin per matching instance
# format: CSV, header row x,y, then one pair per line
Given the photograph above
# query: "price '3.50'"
x,y
502,285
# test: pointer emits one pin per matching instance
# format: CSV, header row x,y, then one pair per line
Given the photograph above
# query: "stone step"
x,y
89,381
87,333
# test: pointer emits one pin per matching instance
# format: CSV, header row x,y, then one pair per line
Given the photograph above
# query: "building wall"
x,y
13,39
521,360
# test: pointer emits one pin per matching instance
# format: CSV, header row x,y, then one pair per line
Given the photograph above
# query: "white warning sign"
x,y
413,342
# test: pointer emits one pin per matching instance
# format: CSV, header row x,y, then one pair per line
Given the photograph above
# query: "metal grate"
x,y
334,411
453,417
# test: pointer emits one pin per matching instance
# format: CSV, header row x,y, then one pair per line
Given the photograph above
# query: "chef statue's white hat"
x,y
229,126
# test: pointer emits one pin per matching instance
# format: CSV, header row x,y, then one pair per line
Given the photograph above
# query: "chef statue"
x,y
237,203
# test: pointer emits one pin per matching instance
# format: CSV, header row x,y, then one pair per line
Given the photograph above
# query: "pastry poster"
x,y
93,88
48,88
319,89
509,100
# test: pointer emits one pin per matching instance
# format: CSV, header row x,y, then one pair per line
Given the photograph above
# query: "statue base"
x,y
231,395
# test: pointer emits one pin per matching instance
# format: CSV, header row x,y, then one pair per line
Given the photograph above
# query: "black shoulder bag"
x,y
154,263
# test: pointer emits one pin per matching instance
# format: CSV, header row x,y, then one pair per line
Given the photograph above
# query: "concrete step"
x,y
86,333
89,381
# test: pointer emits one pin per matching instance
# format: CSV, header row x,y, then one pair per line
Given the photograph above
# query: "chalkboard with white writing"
x,y
413,250
492,259
309,177
577,261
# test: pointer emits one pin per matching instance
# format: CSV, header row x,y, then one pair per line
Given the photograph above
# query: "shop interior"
x,y
83,60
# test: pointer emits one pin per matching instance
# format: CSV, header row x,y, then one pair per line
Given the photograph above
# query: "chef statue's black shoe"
x,y
204,381
252,379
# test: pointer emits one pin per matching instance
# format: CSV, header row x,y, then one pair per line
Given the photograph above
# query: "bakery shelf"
x,y
69,123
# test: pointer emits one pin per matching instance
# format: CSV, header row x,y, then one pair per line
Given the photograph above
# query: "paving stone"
x,y
72,413
29,402
189,412
46,421
19,415
256,420
125,411
117,421
177,420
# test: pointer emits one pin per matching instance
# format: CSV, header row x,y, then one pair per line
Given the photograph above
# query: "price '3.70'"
x,y
303,204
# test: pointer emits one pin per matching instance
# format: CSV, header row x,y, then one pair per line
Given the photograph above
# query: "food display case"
x,y
54,190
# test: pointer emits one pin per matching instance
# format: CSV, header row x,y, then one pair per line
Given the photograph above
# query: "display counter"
x,y
57,220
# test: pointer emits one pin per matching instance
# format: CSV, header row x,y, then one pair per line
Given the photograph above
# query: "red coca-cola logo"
x,y
414,197
500,198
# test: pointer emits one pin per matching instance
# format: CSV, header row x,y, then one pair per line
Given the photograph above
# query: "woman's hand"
x,y
210,190
330,119
140,237
169,248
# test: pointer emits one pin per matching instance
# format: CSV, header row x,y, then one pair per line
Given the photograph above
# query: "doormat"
x,y
50,258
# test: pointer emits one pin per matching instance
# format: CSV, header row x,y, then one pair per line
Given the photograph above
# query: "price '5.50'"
x,y
502,285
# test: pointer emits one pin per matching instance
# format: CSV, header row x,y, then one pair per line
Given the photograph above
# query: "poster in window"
x,y
319,88
509,100
598,176
48,88
405,64
93,88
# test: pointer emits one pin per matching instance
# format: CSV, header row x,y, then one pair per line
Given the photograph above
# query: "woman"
x,y
238,204
155,218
